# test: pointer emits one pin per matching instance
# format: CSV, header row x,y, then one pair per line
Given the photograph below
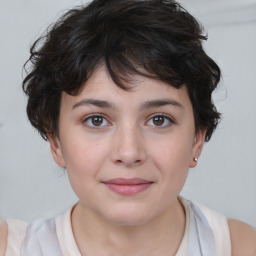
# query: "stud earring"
x,y
196,160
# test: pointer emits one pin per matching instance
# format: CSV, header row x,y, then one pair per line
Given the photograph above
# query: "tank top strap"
x,y
200,239
41,239
16,234
208,233
206,230
219,226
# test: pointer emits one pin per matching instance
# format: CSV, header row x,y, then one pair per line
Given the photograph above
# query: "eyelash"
x,y
161,115
165,117
93,116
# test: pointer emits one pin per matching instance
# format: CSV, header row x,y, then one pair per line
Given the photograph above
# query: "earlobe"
x,y
197,148
56,150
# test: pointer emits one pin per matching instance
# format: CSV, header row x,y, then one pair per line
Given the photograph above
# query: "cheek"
x,y
174,171
173,152
83,163
172,158
83,157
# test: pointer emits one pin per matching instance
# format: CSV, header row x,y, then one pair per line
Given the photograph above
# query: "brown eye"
x,y
158,120
97,120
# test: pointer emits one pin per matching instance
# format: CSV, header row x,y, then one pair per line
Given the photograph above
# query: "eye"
x,y
160,120
96,121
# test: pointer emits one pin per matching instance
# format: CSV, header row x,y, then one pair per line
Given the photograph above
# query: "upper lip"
x,y
125,181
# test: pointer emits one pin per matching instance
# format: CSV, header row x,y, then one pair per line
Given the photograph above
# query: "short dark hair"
x,y
153,38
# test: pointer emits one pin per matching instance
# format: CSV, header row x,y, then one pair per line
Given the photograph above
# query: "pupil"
x,y
97,121
158,120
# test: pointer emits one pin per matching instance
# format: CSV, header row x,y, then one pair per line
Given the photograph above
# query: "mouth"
x,y
128,187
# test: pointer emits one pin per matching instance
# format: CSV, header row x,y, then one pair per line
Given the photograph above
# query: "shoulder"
x,y
243,238
12,233
3,237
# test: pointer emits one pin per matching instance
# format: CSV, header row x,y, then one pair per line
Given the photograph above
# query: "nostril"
x,y
128,162
128,151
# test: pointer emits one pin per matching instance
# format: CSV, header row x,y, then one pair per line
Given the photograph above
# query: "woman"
x,y
122,91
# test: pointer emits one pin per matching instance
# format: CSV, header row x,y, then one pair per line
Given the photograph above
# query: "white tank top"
x,y
206,234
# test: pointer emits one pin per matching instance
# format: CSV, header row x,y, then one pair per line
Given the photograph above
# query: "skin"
x,y
3,237
243,238
129,142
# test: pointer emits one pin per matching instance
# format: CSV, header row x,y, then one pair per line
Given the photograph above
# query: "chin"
x,y
128,217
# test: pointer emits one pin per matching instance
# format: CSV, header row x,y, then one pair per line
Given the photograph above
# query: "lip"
x,y
127,187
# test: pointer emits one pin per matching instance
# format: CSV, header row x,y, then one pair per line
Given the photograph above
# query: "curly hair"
x,y
153,38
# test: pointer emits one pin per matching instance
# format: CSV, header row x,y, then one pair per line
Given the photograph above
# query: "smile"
x,y
128,187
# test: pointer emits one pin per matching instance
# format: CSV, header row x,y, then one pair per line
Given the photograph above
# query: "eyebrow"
x,y
94,102
160,103
145,105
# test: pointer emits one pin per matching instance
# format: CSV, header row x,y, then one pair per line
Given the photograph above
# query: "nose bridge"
x,y
129,148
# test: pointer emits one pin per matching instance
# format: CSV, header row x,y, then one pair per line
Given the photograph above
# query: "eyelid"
x,y
92,115
168,117
87,117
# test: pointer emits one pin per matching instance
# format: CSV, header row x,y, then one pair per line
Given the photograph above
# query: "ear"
x,y
56,150
197,147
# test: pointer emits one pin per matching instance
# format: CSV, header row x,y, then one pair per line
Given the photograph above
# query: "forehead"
x,y
139,88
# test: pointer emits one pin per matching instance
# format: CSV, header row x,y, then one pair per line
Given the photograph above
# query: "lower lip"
x,y
128,189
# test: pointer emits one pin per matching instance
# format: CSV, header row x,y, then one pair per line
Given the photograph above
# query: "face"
x,y
127,153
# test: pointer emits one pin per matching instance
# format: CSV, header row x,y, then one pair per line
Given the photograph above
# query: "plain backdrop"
x,y
31,184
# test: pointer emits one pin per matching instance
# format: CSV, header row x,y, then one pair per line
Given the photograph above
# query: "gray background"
x,y
32,186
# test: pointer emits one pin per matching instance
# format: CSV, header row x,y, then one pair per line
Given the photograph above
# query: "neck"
x,y
160,236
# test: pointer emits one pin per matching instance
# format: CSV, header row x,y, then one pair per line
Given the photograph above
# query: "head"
x,y
156,39
128,59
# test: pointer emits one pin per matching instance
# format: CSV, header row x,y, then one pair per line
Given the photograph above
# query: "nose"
x,y
128,148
